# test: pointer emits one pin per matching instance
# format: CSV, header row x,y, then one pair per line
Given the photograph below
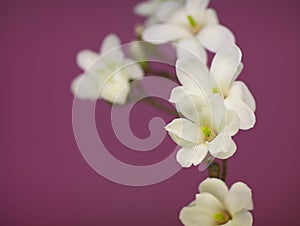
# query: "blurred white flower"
x,y
107,74
156,10
193,27
207,127
216,205
226,66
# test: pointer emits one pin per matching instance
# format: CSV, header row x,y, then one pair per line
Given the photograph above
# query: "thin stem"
x,y
163,74
214,170
159,106
224,169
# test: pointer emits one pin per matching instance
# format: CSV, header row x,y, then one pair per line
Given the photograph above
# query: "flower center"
x,y
208,133
195,27
221,218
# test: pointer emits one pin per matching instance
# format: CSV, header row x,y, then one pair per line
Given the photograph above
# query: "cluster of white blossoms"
x,y
216,205
106,74
212,104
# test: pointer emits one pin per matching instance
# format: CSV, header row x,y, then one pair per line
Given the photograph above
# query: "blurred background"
x,y
44,178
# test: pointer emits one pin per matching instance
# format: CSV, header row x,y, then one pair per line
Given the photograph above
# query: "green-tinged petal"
x,y
186,130
225,65
192,216
208,203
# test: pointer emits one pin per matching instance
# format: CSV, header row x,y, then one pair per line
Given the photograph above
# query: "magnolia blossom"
x,y
107,74
156,10
216,205
221,79
207,127
193,27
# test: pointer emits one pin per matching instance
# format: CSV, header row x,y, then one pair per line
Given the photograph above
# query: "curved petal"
x,y
232,123
238,198
191,155
216,187
208,203
145,8
196,6
85,87
133,69
191,216
166,9
186,130
177,93
163,33
86,58
222,146
191,46
240,90
214,37
111,49
192,73
243,218
246,115
191,106
225,65
211,17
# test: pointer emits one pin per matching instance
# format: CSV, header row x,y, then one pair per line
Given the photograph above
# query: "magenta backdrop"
x,y
45,180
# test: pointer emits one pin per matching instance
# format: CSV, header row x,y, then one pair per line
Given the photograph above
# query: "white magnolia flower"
x,y
107,74
225,68
216,205
207,127
193,27
156,10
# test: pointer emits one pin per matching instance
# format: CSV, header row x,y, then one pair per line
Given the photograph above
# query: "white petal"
x,y
191,155
132,69
208,203
145,8
225,65
196,6
232,122
240,90
229,223
115,91
214,37
211,17
166,9
246,115
191,216
238,198
216,110
214,186
111,49
85,87
243,218
163,33
222,146
191,107
186,130
177,93
191,46
86,58
192,73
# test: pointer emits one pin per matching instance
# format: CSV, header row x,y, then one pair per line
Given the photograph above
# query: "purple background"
x,y
45,180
